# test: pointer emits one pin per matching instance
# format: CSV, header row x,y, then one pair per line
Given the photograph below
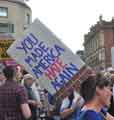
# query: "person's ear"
x,y
98,91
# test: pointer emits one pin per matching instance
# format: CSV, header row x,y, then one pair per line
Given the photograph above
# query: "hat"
x,y
28,76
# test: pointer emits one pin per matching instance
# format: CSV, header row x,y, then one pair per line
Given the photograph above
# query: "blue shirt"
x,y
92,115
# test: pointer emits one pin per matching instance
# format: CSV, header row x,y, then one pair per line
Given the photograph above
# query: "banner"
x,y
4,45
43,55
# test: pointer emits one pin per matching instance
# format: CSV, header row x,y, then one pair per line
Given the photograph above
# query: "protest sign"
x,y
46,57
4,44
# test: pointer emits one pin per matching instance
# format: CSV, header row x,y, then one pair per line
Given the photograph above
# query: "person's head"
x,y
97,87
28,79
9,72
88,88
18,73
103,90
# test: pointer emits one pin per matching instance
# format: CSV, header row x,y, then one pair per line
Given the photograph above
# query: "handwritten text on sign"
x,y
45,57
44,60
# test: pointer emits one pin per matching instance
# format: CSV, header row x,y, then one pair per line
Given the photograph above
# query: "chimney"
x,y
100,18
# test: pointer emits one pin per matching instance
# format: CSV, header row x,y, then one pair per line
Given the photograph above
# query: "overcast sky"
x,y
69,20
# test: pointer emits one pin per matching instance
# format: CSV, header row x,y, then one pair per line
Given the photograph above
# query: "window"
x,y
6,28
28,19
3,12
11,28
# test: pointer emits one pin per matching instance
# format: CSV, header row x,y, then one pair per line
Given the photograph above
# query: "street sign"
x,y
46,58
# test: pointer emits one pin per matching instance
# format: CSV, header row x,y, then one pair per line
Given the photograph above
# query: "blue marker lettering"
x,y
22,47
49,59
65,76
56,85
39,52
29,60
28,43
34,55
72,69
37,72
34,38
43,46
59,49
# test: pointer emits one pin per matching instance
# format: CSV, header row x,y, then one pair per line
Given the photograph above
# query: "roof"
x,y
21,2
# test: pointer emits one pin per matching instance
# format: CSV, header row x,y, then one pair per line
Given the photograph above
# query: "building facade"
x,y
15,17
98,43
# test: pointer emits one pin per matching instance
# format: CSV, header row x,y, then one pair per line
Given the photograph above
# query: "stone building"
x,y
15,16
98,43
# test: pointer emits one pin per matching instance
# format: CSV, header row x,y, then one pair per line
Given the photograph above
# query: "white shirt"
x,y
34,88
66,101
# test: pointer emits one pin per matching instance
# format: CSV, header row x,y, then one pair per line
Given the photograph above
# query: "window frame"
x,y
9,28
28,18
6,8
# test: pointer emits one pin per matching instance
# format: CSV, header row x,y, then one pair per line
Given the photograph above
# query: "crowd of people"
x,y
22,98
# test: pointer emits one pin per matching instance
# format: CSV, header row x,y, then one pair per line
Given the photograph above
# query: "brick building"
x,y
98,43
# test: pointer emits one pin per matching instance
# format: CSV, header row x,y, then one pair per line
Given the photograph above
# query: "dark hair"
x,y
102,81
71,96
9,72
24,72
88,87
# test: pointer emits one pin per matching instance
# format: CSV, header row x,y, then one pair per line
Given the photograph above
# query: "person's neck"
x,y
93,105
